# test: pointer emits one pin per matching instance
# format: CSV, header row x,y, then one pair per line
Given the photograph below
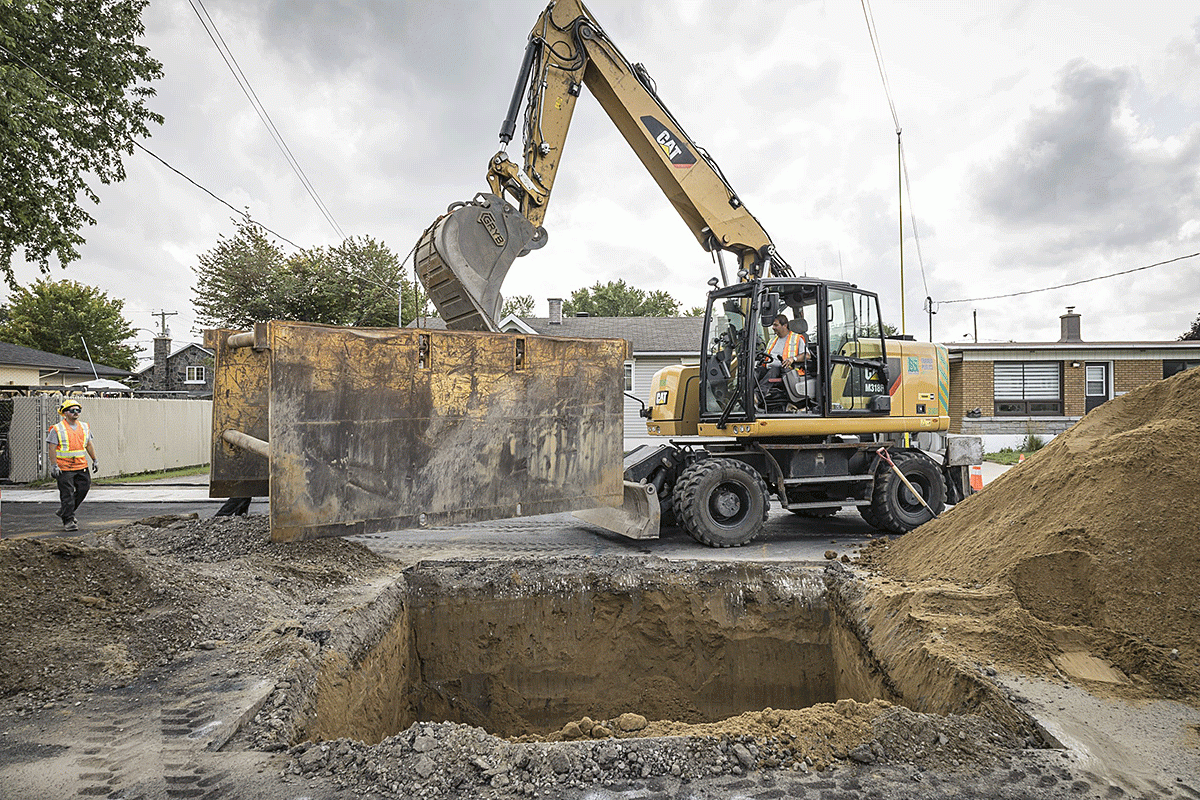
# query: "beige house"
x,y
23,368
1005,391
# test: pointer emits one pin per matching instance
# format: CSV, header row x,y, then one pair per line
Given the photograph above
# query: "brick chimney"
x,y
162,349
1070,326
556,310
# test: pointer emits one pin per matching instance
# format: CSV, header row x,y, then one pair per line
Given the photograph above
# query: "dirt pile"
x,y
1081,558
98,611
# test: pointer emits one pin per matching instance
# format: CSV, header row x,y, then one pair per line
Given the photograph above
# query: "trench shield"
x,y
386,429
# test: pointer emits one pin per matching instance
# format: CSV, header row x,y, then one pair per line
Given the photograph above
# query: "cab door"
x,y
857,375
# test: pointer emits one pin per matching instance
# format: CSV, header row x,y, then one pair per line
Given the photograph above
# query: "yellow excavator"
x,y
855,418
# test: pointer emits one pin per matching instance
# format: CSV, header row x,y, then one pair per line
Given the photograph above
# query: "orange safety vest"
x,y
791,347
71,453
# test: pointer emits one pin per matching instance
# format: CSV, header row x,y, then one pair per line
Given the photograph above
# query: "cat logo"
x,y
675,151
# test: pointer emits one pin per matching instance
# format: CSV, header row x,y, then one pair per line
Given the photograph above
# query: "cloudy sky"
x,y
1046,143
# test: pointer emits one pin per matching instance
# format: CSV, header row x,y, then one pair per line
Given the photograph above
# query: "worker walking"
x,y
67,446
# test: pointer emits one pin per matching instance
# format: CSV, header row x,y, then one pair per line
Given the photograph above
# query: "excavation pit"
x,y
522,647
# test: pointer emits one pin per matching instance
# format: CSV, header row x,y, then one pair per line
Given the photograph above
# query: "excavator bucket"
x,y
637,517
463,257
357,430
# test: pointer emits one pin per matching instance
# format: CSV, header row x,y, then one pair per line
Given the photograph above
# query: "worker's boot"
x,y
70,525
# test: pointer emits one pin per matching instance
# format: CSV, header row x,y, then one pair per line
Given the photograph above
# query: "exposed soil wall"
x,y
522,647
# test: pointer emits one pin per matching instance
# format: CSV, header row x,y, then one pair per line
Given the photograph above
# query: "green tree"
x,y
521,305
1192,335
237,282
59,316
73,99
248,278
617,299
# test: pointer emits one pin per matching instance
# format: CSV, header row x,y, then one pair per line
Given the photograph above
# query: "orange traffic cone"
x,y
1021,458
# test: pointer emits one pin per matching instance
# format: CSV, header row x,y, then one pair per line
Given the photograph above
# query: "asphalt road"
x,y
29,512
785,537
24,516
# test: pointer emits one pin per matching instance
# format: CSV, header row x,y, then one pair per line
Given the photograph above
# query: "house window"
x,y
1095,380
629,376
1172,367
1028,389
195,375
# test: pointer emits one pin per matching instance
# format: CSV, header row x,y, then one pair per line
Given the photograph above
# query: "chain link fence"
x,y
23,425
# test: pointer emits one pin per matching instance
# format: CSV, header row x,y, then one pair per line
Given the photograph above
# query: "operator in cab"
x,y
789,347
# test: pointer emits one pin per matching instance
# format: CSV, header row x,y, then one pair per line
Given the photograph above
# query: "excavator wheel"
x,y
893,507
721,502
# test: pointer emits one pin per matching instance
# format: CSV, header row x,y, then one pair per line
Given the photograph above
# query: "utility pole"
x,y
162,321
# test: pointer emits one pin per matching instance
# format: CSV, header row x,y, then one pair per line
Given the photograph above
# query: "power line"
x,y
241,212
1072,283
370,278
243,82
887,88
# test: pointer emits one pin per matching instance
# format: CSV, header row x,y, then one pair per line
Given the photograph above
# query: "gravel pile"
x,y
433,760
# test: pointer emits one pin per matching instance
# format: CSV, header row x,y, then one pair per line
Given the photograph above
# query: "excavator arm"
x,y
463,257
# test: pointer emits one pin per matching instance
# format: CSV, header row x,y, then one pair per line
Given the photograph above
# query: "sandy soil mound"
x,y
1091,545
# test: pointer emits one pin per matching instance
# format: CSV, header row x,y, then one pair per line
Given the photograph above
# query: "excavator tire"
x,y
721,502
893,507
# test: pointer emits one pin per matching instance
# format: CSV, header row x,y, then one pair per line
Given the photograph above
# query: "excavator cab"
x,y
839,363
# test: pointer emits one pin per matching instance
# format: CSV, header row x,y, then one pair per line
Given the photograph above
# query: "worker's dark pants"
x,y
234,506
72,488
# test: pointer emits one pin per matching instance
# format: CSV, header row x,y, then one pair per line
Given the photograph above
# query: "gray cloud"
x,y
1087,177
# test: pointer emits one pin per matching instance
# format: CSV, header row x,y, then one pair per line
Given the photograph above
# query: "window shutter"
x,y
1008,381
1022,381
1041,382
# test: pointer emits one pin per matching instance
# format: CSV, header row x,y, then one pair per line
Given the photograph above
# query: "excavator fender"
x,y
637,518
463,257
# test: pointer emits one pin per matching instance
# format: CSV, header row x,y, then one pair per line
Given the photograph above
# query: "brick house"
x,y
184,372
1004,391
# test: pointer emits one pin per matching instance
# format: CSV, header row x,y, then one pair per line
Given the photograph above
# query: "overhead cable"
x,y
240,212
1072,283
887,92
887,88
218,41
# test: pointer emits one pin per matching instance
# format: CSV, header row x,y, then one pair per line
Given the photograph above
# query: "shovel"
x,y
883,453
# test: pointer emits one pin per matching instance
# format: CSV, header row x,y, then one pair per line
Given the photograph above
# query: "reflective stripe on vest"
x,y
791,348
71,453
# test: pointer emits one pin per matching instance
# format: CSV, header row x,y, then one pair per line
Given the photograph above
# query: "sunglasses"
x,y
74,410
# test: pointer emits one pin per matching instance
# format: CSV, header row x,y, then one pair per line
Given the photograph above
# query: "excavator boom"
x,y
463,258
